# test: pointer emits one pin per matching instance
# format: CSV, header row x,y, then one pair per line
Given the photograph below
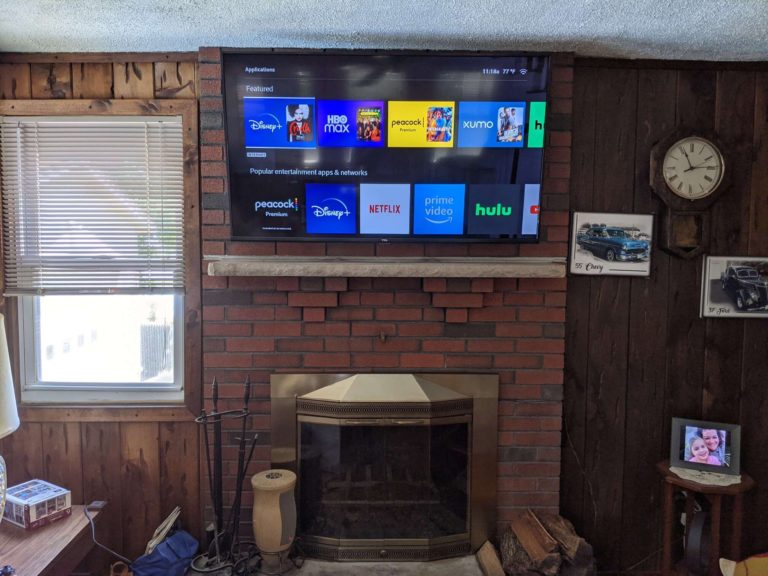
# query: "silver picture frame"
x,y
734,287
611,244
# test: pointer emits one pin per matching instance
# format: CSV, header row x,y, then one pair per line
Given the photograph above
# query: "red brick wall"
x,y
512,327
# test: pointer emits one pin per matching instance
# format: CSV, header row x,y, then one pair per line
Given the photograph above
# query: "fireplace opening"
x,y
389,465
383,481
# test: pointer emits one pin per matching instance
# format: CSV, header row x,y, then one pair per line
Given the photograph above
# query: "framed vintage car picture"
x,y
735,287
611,244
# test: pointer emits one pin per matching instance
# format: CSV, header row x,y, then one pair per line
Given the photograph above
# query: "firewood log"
x,y
574,548
514,559
540,547
488,559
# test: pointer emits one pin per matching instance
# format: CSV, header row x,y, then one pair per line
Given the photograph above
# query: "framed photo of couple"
x,y
707,446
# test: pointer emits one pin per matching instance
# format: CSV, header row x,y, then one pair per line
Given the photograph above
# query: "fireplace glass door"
x,y
383,479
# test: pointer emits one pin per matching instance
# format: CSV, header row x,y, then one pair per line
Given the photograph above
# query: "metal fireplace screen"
x,y
384,481
386,469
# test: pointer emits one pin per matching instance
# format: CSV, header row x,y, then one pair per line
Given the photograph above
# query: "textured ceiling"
x,y
671,29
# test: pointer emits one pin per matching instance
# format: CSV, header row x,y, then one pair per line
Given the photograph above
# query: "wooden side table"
x,y
50,550
715,496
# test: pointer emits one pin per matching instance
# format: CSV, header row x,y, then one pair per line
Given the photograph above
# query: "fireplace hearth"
x,y
390,466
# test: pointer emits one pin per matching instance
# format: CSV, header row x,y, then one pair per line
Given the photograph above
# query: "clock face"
x,y
693,168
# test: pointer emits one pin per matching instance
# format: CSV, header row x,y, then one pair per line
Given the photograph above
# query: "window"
x,y
93,232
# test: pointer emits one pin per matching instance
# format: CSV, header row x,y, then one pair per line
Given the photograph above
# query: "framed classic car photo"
x,y
735,287
615,244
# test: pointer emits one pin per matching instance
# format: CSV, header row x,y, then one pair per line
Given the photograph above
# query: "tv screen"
x,y
385,146
706,446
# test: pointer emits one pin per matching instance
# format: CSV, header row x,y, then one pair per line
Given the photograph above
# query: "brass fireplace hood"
x,y
384,396
384,388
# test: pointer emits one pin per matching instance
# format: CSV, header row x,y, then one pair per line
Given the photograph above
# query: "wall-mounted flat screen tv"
x,y
385,146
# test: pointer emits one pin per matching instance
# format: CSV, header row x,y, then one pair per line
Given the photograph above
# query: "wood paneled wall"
x,y
143,462
637,352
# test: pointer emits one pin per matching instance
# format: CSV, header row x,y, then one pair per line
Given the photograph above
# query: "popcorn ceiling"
x,y
664,29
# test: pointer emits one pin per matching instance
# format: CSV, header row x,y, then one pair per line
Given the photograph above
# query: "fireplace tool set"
x,y
227,554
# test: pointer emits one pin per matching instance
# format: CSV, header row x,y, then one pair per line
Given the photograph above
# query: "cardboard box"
x,y
36,503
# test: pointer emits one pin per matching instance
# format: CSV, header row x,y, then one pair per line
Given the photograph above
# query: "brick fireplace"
x,y
511,327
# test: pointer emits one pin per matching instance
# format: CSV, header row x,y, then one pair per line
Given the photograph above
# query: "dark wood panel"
x,y
754,456
725,337
576,494
179,478
583,150
139,450
615,130
696,95
758,191
643,64
735,118
669,360
193,320
102,480
134,80
62,457
646,379
92,80
51,81
758,198
23,454
46,57
103,414
754,399
175,80
15,81
695,106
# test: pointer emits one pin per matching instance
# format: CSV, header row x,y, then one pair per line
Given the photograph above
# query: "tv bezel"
x,y
733,430
384,239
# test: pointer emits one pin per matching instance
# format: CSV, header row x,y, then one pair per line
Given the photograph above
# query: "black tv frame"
x,y
411,237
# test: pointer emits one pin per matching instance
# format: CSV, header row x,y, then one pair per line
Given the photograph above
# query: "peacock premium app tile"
x,y
331,208
350,123
279,122
277,213
420,124
438,209
491,124
494,209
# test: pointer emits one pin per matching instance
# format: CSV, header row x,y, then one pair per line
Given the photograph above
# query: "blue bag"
x,y
171,557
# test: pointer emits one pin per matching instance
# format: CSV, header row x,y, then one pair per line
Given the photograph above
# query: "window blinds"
x,y
92,204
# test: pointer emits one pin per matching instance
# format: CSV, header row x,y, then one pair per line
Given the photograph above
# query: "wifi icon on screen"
x,y
523,71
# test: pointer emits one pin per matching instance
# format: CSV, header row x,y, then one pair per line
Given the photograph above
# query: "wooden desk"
x,y
715,495
52,550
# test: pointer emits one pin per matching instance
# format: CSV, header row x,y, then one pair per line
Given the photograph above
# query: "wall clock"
x,y
693,168
689,172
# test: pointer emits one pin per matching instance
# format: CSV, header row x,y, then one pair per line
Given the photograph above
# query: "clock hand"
x,y
686,157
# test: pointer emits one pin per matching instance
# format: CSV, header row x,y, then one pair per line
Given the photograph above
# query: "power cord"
x,y
98,505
